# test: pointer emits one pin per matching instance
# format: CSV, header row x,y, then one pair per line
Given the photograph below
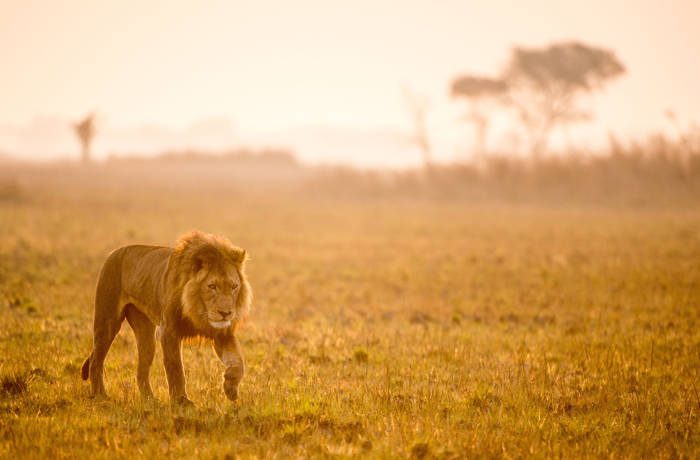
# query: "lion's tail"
x,y
85,372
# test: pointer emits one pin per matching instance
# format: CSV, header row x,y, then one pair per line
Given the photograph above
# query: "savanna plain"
x,y
382,326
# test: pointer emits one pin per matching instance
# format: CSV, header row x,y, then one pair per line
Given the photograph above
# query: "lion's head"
x,y
215,290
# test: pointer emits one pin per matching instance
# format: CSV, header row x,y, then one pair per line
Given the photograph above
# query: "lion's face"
x,y
219,292
215,293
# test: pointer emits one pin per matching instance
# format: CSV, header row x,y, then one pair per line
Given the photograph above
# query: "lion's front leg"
x,y
174,371
229,351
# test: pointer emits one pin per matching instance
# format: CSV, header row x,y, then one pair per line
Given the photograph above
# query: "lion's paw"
x,y
183,402
231,389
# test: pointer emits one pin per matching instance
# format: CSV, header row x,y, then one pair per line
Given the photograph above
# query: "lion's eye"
x,y
234,287
212,286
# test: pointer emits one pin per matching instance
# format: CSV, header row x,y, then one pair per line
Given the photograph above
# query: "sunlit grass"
x,y
379,328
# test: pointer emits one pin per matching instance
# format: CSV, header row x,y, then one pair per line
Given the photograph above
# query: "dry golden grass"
x,y
381,327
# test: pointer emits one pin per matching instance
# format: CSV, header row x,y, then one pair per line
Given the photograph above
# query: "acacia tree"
x,y
481,93
85,130
418,109
545,85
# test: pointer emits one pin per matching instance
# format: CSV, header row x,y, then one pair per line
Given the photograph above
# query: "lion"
x,y
196,289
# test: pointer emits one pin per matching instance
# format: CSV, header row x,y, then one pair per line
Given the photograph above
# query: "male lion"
x,y
198,288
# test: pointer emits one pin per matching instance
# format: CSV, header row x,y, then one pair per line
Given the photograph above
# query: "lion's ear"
x,y
197,263
204,258
239,256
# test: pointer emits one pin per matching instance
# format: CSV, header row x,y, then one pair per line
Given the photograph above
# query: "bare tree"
x,y
482,93
545,85
418,109
85,130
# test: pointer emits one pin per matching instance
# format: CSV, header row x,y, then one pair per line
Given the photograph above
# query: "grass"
x,y
381,328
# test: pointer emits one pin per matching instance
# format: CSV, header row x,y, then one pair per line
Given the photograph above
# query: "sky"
x,y
324,78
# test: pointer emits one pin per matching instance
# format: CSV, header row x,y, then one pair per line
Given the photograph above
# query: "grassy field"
x,y
381,328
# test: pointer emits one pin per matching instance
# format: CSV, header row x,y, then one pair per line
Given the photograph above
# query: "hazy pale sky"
x,y
315,74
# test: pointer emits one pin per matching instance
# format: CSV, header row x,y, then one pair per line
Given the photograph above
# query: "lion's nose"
x,y
224,314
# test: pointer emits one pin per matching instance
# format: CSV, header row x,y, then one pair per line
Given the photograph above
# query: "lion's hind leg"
x,y
104,336
108,321
144,331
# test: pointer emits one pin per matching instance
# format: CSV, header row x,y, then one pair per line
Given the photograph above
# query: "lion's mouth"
x,y
220,324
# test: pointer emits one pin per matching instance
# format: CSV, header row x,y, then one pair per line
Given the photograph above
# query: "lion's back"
x,y
137,273
143,268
